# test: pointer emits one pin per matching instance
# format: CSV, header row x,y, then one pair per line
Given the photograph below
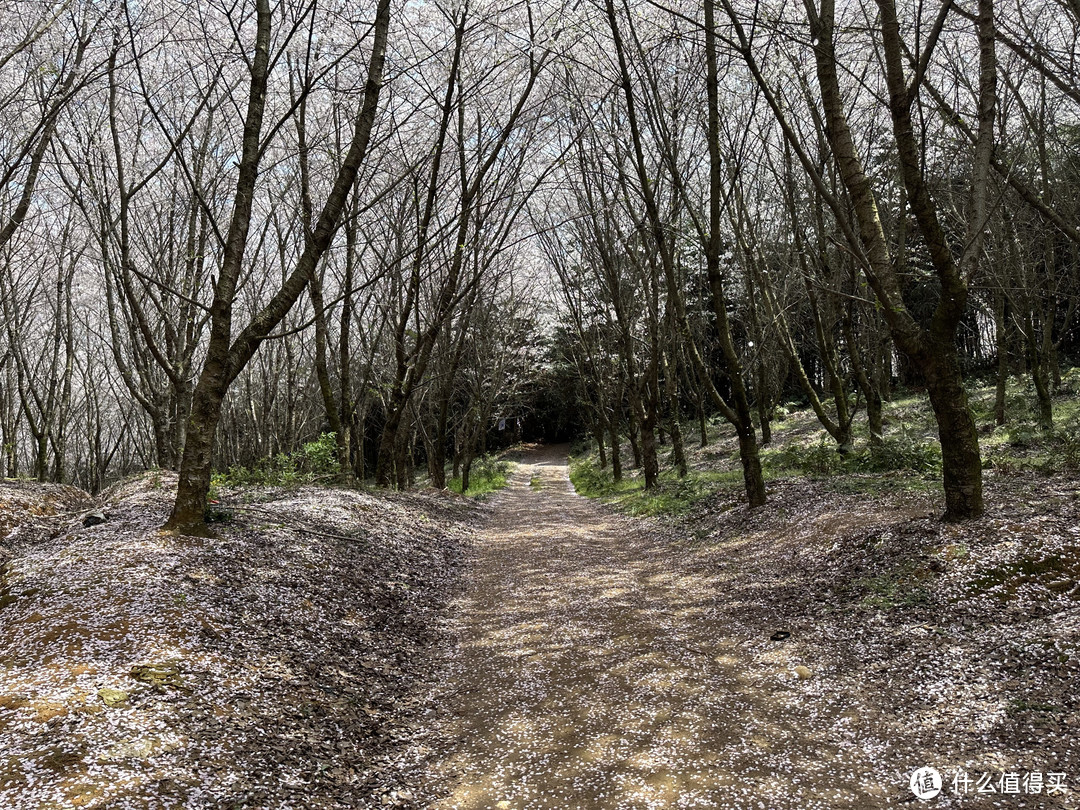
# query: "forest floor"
x,y
343,649
285,664
612,662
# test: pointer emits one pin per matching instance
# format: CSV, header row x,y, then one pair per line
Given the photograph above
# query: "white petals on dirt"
x,y
607,663
303,659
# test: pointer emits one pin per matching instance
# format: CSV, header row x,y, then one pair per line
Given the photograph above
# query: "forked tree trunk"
x,y
226,357
933,350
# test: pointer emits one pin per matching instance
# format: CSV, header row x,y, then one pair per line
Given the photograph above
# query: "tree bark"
x,y
226,357
933,350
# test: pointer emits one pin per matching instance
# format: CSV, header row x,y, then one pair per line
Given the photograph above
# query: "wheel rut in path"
x,y
593,670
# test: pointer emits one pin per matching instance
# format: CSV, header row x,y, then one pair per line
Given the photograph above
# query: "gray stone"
x,y
94,518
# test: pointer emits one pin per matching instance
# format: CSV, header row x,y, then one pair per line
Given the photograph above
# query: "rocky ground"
x,y
285,664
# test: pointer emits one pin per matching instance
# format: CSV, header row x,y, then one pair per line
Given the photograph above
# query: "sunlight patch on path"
x,y
589,674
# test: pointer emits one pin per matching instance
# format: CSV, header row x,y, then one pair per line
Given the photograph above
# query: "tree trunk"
x,y
226,357
616,447
743,422
1043,397
322,366
961,462
678,450
437,467
466,469
703,426
671,394
597,430
932,349
1001,315
649,454
632,434
188,515
862,378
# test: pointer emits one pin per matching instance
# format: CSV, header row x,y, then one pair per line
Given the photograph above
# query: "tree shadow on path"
x,y
592,672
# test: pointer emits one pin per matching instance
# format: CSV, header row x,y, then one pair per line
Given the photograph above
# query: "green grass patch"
x,y
488,474
1024,446
898,589
1024,706
536,483
671,496
883,485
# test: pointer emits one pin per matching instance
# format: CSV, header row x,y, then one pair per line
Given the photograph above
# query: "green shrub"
x,y
589,480
581,446
1024,435
895,454
822,459
817,459
487,474
1019,406
320,456
215,514
1070,382
672,495
314,460
1068,439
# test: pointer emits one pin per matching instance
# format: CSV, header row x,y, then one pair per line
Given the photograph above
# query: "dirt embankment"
x,y
28,510
285,664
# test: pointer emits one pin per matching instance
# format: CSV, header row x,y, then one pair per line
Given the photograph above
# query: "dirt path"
x,y
595,670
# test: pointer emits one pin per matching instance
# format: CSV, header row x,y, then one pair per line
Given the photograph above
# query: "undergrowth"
x,y
908,459
314,461
672,495
487,474
894,454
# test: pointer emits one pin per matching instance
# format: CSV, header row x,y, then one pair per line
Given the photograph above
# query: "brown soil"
x,y
600,662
